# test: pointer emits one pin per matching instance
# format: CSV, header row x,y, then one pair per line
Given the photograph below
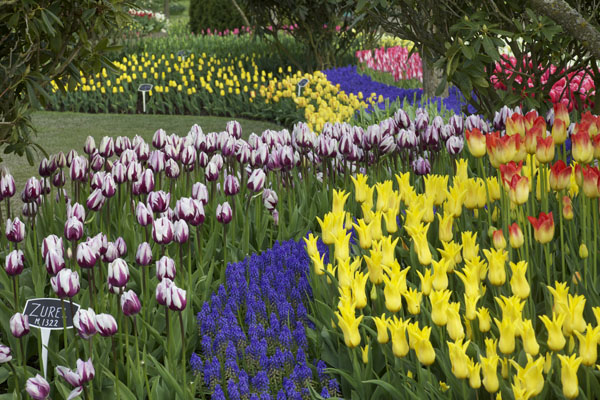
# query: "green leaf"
x,y
490,48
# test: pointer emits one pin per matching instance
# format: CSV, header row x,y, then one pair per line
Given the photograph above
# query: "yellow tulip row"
x,y
455,308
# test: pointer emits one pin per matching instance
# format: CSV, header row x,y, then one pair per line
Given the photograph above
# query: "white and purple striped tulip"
x,y
5,355
15,230
109,186
159,201
54,261
143,256
37,387
106,324
118,273
270,199
172,170
15,261
95,200
86,255
162,291
224,213
176,298
162,231
165,268
73,229
90,146
200,192
7,186
85,323
19,325
65,283
181,231
143,214
130,303
256,181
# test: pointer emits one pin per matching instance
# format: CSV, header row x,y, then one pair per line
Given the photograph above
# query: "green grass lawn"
x,y
63,131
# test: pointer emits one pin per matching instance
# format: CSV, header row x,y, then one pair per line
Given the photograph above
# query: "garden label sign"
x,y
47,315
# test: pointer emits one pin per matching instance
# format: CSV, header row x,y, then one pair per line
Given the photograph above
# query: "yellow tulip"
x,y
496,266
399,342
358,289
348,323
426,281
484,319
531,376
345,272
588,345
556,339
342,245
451,252
364,350
455,199
489,369
419,341
470,278
507,335
364,233
574,321
413,300
318,264
331,224
382,323
458,358
471,306
512,310
568,375
388,249
376,232
428,216
440,274
470,247
339,200
474,374
530,344
439,306
445,227
518,282
454,326
375,266
436,187
462,169
384,192
422,246
413,218
391,225
395,286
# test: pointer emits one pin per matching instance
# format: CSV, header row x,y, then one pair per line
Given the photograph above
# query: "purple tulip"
x,y
15,261
32,190
51,242
406,139
107,147
303,136
234,129
44,168
37,388
65,283
45,186
162,291
109,187
224,213
118,273
86,256
130,304
165,268
119,172
203,159
181,231
5,355
157,161
134,170
421,166
59,179
73,229
176,298
401,119
259,156
76,211
146,181
19,325
200,192
275,215
172,169
143,214
85,323
454,145
162,231
54,261
78,169
111,253
121,246
256,181
387,145
270,199
7,186
431,136
143,256
142,149
159,201
90,146
95,200
15,230
106,324
211,172
232,185
421,120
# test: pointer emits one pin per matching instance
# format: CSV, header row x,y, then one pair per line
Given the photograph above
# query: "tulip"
x,y
515,124
143,214
85,323
146,181
37,387
454,326
582,150
95,200
86,256
176,298
78,169
519,189
459,359
159,201
439,306
484,319
224,213
73,229
54,260
515,236
489,369
162,231
530,344
162,291
200,192
130,304
445,227
426,282
496,260
143,255
111,253
107,147
15,230
588,345
19,325
476,142
231,186
421,166
106,324
165,268
159,139
118,273
568,375
65,283
543,227
348,323
545,150
574,321
5,355
7,186
556,340
121,246
518,282
382,323
14,263
567,209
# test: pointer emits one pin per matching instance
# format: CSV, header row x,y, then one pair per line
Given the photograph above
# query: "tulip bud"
x,y
85,370
181,232
232,185
515,236
37,388
76,211
130,304
421,166
142,150
165,268
200,192
270,199
162,231
499,240
65,283
454,145
118,273
5,355
583,251
7,186
188,156
143,214
15,230
97,162
157,161
86,256
73,229
111,253
143,255
256,181
275,215
90,145
224,213
32,190
162,291
54,260
78,169
19,325
15,261
107,147
95,200
567,208
159,201
159,139
106,324
211,172
172,169
85,323
176,298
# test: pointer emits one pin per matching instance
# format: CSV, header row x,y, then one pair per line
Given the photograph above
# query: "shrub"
x,y
213,14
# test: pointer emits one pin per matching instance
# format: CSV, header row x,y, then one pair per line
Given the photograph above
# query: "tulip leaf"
x,y
171,381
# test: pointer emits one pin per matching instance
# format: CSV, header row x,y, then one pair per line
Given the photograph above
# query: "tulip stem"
x,y
487,193
137,354
15,376
127,347
562,241
16,293
584,235
594,248
116,369
224,252
91,287
64,318
183,355
547,254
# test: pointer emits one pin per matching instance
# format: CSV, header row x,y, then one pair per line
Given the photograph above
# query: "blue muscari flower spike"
x,y
325,393
196,363
232,390
218,393
300,335
281,395
321,370
260,382
244,383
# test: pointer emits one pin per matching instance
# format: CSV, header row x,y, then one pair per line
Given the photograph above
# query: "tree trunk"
x,y
167,9
571,21
431,77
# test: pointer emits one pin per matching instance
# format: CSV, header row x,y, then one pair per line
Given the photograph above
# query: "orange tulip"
x,y
596,144
519,189
561,112
560,175
499,240
543,227
515,124
507,171
530,118
476,142
559,131
583,150
590,181
545,149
